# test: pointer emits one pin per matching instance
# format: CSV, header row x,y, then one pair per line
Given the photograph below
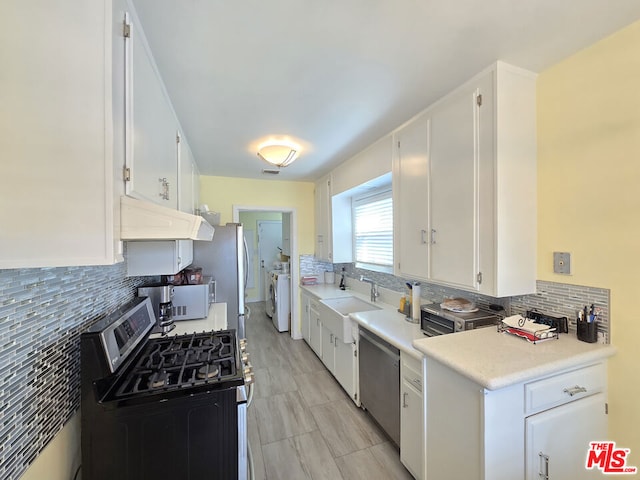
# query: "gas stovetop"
x,y
179,365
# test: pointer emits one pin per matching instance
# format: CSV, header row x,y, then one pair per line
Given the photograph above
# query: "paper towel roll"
x,y
415,302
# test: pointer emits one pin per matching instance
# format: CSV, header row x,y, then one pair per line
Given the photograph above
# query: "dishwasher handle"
x,y
369,337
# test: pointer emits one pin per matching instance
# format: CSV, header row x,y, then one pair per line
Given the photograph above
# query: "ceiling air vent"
x,y
270,171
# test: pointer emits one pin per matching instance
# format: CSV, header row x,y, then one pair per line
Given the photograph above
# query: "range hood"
x,y
141,220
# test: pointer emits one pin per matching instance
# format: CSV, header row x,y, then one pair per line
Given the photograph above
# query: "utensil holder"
x,y
587,331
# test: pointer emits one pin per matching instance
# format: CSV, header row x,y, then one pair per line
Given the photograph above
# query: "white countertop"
x,y
387,323
216,320
496,360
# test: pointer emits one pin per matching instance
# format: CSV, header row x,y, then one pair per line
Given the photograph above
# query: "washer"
x,y
270,306
280,297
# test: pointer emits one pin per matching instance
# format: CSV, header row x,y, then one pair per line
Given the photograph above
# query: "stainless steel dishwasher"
x,y
379,364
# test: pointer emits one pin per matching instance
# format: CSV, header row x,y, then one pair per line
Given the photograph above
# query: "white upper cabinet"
x,y
323,243
411,200
454,189
62,142
465,187
153,146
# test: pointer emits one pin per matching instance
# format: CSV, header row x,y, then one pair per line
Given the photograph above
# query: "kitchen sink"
x,y
334,313
347,305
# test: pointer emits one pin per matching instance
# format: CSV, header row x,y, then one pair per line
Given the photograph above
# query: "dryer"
x,y
280,288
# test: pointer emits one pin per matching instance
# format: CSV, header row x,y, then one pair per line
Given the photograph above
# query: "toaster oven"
x,y
436,321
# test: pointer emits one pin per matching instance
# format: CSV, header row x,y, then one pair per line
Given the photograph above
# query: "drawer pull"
x,y
543,474
575,390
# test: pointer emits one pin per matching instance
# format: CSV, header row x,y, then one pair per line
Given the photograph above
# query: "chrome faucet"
x,y
374,288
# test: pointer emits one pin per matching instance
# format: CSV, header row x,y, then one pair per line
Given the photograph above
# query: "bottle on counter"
x,y
342,284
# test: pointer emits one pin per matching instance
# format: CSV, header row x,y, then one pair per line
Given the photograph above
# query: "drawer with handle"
x,y
564,388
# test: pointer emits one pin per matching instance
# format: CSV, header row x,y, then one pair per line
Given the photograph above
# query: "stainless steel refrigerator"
x,y
225,259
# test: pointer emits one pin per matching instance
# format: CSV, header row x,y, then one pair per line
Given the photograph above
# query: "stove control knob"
x,y
245,357
248,369
243,342
248,379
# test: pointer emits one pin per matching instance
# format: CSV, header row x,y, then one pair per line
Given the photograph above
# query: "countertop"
x,y
387,322
216,320
496,360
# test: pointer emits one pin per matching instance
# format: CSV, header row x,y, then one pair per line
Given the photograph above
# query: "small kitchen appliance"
x,y
435,320
161,297
193,301
162,408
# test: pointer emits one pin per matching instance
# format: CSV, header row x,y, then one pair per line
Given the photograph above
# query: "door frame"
x,y
294,268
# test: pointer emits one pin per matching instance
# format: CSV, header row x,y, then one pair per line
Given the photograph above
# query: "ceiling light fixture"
x,y
278,154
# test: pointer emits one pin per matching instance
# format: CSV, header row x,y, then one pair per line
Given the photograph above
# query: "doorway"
x,y
248,216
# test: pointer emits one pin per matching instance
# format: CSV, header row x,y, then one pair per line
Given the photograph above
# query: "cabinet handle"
x,y
335,342
423,237
543,474
575,390
331,337
404,400
165,188
433,236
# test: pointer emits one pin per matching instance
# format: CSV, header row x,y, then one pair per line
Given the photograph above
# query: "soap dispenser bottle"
x,y
342,285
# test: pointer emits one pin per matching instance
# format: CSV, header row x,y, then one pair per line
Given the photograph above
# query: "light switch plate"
x,y
562,263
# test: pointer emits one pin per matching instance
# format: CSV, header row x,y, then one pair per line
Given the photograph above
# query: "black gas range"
x,y
161,408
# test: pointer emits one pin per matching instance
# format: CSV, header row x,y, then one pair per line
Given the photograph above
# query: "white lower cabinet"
x,y
345,366
328,349
411,415
315,331
325,338
526,431
550,435
306,317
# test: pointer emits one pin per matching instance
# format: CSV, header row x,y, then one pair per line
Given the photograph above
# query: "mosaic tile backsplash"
x,y
556,299
42,313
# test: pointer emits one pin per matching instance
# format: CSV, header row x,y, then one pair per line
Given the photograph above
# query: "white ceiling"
x,y
339,74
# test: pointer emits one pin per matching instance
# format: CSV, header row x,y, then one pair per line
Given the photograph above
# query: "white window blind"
x,y
373,230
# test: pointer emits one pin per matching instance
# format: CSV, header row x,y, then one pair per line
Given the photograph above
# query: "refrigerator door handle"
x,y
246,262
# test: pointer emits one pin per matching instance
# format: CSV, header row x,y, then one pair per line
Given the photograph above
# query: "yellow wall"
x,y
222,193
589,198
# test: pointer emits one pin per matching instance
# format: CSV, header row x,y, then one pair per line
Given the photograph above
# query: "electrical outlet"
x,y
562,263
602,338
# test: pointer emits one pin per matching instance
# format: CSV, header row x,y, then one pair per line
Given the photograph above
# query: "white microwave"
x,y
192,301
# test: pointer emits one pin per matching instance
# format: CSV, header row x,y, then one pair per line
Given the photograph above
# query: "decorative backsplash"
x,y
42,313
556,299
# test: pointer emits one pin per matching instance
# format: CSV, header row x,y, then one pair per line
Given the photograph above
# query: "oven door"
x,y
433,325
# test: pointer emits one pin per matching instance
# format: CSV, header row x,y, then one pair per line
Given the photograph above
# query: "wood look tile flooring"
x,y
301,424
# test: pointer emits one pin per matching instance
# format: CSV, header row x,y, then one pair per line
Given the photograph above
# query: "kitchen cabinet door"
x,y
557,440
158,257
315,332
411,452
345,366
153,153
323,243
306,317
62,125
411,200
328,349
454,189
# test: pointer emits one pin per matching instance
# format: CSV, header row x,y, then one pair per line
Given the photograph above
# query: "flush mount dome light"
x,y
278,154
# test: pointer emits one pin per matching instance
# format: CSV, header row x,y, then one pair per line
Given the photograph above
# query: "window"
x,y
373,231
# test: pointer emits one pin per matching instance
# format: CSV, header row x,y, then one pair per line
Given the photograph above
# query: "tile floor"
x,y
301,423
